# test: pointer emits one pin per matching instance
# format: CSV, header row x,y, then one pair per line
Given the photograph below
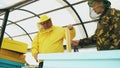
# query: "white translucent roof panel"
x,y
33,35
1,21
90,28
43,6
83,11
14,30
6,3
74,1
79,33
30,25
5,35
18,15
2,16
115,4
61,17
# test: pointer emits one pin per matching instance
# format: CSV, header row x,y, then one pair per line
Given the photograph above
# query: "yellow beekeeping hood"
x,y
43,18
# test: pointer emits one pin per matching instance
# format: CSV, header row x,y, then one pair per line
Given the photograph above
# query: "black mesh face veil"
x,y
92,13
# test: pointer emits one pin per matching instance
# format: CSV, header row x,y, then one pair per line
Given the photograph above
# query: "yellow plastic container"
x,y
14,45
12,55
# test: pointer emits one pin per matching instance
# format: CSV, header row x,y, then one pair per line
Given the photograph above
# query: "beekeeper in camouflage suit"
x,y
107,34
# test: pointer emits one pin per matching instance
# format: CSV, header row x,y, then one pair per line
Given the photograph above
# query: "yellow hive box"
x,y
14,45
12,55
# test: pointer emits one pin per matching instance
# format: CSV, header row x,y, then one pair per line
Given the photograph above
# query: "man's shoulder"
x,y
114,11
57,27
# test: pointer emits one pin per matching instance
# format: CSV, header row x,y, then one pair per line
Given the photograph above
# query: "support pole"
x,y
4,25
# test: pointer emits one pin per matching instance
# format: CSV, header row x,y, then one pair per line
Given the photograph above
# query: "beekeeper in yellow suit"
x,y
49,38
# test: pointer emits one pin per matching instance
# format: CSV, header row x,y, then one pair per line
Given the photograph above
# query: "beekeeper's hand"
x,y
70,27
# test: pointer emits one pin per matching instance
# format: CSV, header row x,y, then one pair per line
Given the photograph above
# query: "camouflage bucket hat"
x,y
91,1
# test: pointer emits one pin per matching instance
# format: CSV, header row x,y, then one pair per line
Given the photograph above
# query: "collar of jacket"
x,y
47,30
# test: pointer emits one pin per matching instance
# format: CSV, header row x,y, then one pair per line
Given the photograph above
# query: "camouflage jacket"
x,y
107,34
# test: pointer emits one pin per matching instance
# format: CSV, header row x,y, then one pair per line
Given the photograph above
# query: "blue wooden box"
x,y
93,59
10,64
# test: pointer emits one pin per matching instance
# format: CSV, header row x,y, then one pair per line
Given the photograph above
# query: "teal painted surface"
x,y
97,59
10,64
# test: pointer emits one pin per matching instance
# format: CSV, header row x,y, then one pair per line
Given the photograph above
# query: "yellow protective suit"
x,y
50,40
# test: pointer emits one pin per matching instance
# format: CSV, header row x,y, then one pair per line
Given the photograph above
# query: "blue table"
x,y
93,59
